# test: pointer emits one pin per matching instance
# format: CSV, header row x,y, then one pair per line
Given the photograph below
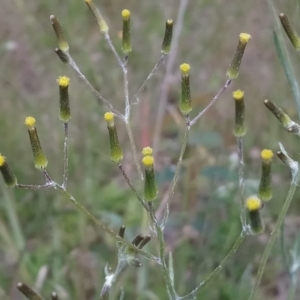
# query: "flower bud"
x,y
126,42
253,205
116,153
239,127
264,191
150,188
28,292
283,118
167,41
9,178
39,158
290,31
61,41
100,20
185,100
147,151
64,105
234,67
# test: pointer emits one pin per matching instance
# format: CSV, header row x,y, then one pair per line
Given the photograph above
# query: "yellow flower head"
x,y
63,81
253,203
125,14
185,68
148,161
245,37
147,151
238,95
109,116
267,154
30,122
2,160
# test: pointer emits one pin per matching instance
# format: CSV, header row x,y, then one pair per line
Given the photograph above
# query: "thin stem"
x,y
214,99
179,162
104,227
34,186
155,68
132,187
126,92
98,96
113,49
66,146
163,99
274,235
283,251
232,251
161,254
293,287
241,181
133,149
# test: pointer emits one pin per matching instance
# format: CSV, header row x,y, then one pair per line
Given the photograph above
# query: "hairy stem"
x,y
66,146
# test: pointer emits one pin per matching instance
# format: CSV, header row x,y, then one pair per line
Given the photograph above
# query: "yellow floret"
x,y
253,203
2,160
148,161
238,95
267,154
185,68
109,116
125,13
30,121
88,1
147,151
245,37
170,22
63,81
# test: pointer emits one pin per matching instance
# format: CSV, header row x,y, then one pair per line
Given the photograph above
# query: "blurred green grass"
x,y
39,229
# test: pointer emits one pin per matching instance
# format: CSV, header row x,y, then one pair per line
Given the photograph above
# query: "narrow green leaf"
x,y
284,56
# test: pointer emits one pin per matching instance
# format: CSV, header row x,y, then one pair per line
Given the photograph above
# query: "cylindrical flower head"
x,y
166,44
9,178
150,188
283,118
61,41
126,41
239,126
253,205
290,31
100,20
116,153
234,67
64,105
185,105
39,158
265,191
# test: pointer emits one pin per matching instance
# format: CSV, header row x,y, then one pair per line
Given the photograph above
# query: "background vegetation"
x,y
46,242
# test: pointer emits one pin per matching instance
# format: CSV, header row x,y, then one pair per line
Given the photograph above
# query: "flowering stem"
x,y
179,162
161,254
133,149
98,96
34,186
216,271
104,227
132,187
155,68
274,234
214,99
66,146
241,180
